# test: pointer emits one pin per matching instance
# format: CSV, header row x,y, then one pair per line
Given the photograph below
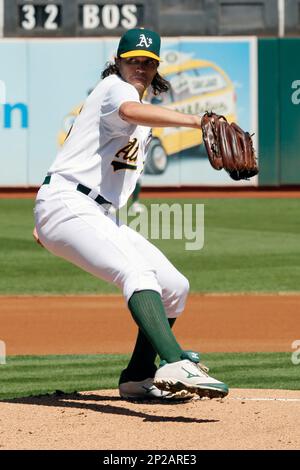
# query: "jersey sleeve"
x,y
115,96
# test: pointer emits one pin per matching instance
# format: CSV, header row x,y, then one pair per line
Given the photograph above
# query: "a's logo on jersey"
x,y
144,41
127,156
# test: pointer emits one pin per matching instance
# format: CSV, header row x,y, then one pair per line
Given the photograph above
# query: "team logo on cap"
x,y
144,41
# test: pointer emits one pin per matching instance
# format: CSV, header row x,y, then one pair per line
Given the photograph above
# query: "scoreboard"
x,y
83,18
70,18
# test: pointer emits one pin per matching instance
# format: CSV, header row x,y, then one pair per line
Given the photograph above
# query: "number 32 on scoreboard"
x,y
49,14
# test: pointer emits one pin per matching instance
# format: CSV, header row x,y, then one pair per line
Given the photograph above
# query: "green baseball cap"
x,y
139,42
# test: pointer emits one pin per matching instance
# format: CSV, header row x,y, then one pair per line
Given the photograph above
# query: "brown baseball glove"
x,y
228,147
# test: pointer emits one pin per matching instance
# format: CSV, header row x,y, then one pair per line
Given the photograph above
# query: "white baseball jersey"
x,y
103,151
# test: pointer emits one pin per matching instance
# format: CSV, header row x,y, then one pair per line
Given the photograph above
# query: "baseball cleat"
x,y
191,377
145,390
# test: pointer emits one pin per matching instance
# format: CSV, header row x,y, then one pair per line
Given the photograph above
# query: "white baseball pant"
x,y
73,226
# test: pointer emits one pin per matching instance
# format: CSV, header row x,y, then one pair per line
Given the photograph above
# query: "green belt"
x,y
82,189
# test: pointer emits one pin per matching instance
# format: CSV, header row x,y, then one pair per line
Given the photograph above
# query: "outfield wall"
x,y
43,83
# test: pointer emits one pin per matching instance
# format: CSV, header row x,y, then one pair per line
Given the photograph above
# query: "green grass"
x,y
251,245
24,376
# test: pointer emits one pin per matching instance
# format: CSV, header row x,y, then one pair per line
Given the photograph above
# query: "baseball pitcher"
x,y
95,171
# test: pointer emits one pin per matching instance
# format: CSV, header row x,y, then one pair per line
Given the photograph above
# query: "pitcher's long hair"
x,y
158,84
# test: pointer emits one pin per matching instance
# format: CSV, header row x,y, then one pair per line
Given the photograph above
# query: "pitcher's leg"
x,y
148,311
175,289
142,362
79,231
174,285
89,239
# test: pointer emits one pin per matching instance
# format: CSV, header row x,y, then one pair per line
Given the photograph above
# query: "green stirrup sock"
x,y
148,312
142,361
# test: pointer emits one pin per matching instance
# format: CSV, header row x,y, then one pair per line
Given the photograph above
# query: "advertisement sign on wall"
x,y
46,82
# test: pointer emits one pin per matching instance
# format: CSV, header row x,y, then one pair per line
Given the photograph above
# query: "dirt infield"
x,y
102,324
246,419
